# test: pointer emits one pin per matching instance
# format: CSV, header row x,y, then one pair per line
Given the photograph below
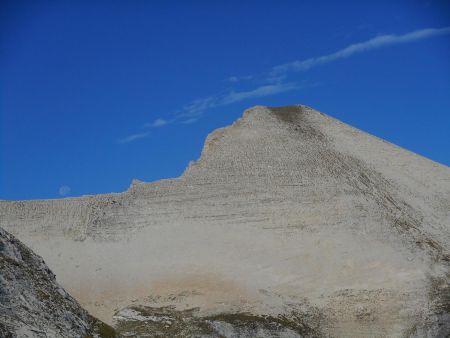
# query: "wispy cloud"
x,y
374,43
261,91
133,137
234,79
199,106
191,112
157,123
191,120
274,81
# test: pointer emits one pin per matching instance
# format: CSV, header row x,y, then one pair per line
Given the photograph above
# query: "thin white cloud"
x,y
374,43
234,79
190,121
159,122
261,91
274,81
133,137
199,106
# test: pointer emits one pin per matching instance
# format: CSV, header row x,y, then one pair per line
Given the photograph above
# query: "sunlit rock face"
x,y
290,224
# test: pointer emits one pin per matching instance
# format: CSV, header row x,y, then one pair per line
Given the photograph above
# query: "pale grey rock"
x,y
288,213
33,304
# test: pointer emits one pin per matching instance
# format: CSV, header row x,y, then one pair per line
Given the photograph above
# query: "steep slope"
x,y
288,213
33,304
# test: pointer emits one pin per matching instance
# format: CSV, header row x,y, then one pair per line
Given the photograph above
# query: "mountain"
x,y
291,223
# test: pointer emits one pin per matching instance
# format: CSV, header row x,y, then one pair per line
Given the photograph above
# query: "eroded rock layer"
x,y
288,215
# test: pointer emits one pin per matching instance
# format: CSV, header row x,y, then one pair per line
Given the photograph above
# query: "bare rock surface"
x,y
33,304
290,224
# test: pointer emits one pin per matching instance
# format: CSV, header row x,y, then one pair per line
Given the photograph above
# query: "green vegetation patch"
x,y
144,321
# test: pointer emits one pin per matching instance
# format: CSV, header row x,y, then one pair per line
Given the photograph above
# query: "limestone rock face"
x,y
291,222
33,304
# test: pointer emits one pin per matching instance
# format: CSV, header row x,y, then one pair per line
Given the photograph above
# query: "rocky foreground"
x,y
291,224
33,304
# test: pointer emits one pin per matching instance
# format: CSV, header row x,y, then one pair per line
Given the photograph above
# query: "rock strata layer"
x,y
289,216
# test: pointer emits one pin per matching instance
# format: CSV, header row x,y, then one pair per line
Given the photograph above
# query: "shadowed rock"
x,y
33,304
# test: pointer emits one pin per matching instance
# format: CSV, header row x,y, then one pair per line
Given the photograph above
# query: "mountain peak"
x,y
288,213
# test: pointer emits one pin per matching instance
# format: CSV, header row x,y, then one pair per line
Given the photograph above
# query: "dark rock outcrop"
x,y
33,304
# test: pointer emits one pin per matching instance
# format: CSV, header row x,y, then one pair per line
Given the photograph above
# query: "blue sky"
x,y
96,93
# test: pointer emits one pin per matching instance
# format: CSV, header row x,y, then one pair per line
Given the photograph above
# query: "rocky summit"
x,y
291,224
